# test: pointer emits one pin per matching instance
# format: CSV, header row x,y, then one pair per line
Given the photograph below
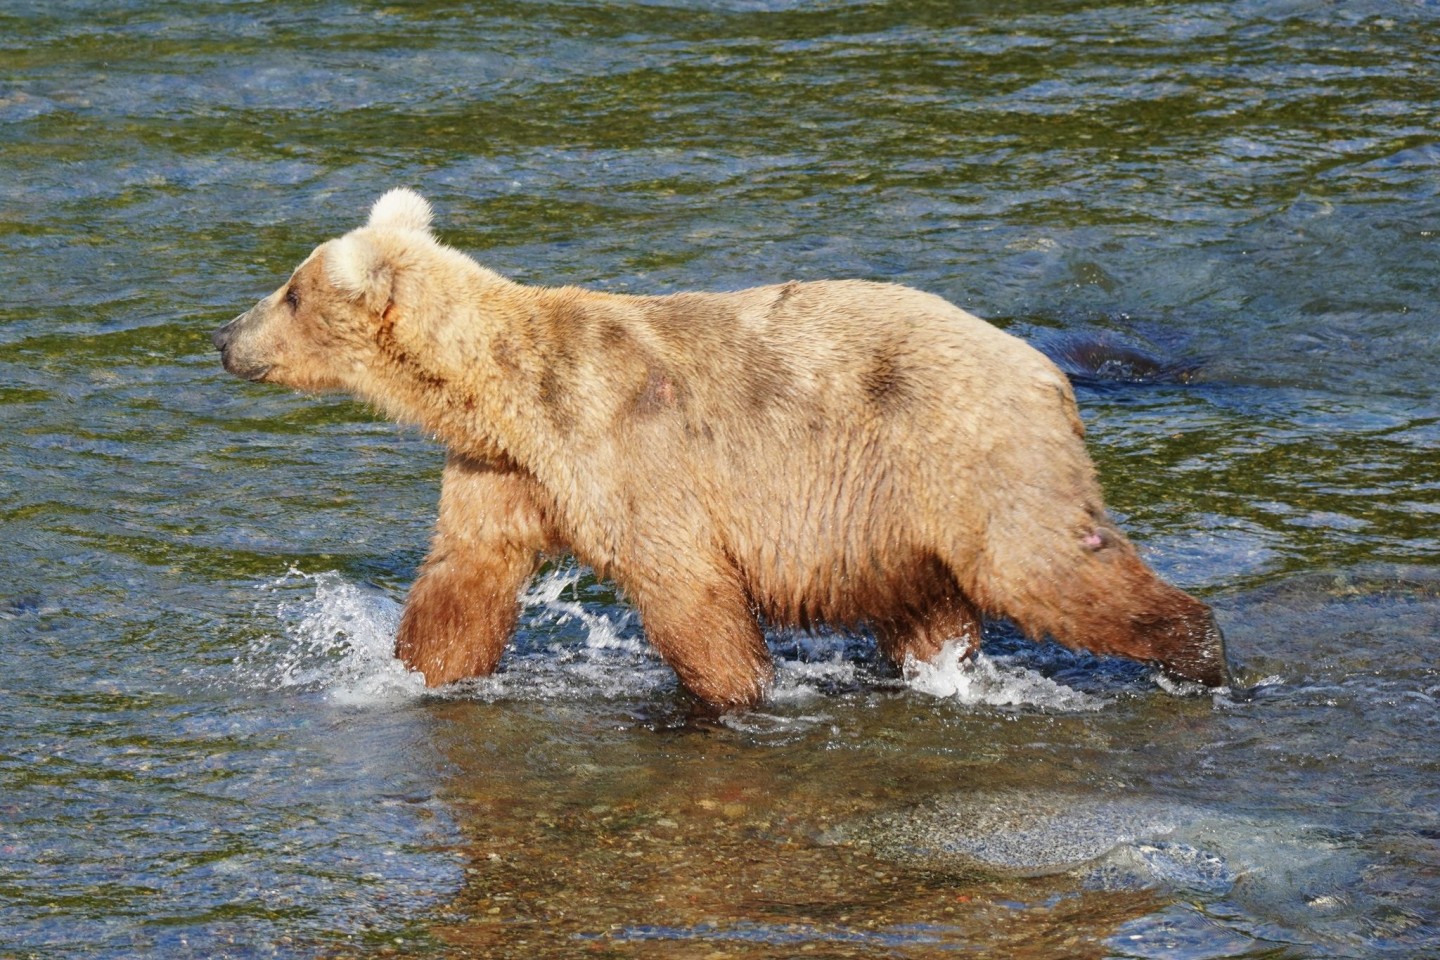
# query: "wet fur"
x,y
853,454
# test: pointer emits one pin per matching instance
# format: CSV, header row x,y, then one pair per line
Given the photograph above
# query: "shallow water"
x,y
207,748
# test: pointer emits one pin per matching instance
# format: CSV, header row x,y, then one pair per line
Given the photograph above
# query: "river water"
x,y
207,750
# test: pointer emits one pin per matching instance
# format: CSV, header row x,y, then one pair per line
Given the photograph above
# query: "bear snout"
x,y
221,337
1203,657
232,358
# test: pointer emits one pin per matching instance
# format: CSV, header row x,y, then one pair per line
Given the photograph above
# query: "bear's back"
x,y
831,438
847,347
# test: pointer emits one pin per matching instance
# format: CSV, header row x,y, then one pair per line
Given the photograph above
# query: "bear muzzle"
x,y
228,340
1204,658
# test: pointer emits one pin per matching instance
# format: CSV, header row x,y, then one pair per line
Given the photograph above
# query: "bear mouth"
x,y
255,373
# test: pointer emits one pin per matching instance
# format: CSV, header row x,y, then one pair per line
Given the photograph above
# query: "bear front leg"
x,y
464,604
950,619
702,624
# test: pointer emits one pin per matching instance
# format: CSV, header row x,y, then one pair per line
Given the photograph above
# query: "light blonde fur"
x,y
848,453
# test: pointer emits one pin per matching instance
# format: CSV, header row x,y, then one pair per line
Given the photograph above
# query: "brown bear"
x,y
843,453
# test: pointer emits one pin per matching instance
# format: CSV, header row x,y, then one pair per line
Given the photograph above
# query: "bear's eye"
x,y
292,297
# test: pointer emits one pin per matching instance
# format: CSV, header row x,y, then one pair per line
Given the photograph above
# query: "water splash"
x,y
809,666
564,649
339,641
983,680
338,636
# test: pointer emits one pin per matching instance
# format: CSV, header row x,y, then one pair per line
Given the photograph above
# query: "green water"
x,y
206,750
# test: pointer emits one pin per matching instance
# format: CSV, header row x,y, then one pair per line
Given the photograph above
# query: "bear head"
x,y
328,326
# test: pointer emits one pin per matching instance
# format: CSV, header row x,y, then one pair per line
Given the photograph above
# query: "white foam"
x,y
982,680
339,641
800,681
806,665
543,604
565,650
338,638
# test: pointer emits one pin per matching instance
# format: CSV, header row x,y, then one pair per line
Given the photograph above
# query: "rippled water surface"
x,y
207,748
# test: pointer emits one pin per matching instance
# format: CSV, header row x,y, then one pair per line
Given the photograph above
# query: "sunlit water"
x,y
208,750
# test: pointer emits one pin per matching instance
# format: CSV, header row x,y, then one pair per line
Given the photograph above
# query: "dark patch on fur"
x,y
905,596
767,380
786,292
884,383
867,593
676,318
553,334
614,336
390,347
563,355
555,399
568,330
502,351
762,378
661,392
569,320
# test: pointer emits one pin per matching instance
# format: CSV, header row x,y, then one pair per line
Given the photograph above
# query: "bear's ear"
x,y
359,269
403,209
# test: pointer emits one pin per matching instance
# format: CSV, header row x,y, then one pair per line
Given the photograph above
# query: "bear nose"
x,y
221,337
